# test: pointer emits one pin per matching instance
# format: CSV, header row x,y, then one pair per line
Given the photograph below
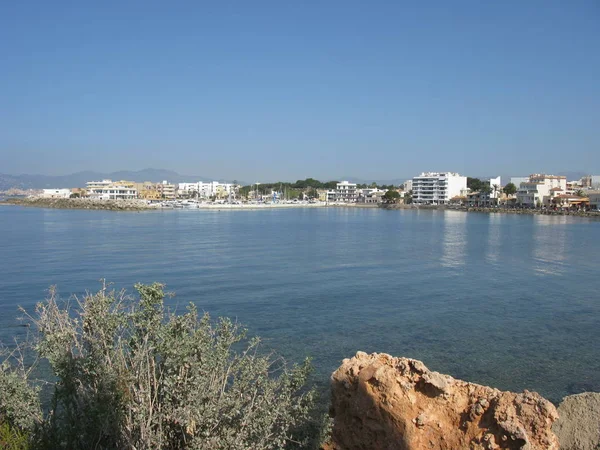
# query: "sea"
x,y
510,301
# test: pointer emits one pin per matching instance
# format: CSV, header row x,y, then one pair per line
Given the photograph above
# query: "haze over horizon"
x,y
287,91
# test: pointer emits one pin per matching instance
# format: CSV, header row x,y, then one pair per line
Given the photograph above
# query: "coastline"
x,y
539,212
140,205
487,210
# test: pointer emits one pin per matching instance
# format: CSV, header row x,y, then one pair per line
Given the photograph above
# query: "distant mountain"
x,y
395,181
573,176
26,181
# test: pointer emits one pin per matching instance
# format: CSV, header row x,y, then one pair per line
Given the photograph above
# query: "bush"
x,y
12,439
131,374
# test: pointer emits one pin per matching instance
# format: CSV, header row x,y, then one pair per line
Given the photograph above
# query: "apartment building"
x,y
540,189
346,192
167,190
437,188
111,190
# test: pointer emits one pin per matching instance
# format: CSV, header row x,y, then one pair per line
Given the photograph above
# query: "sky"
x,y
284,90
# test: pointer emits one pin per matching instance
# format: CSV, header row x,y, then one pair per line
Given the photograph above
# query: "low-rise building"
x,y
56,193
569,201
148,191
437,188
490,198
371,195
594,197
111,190
78,192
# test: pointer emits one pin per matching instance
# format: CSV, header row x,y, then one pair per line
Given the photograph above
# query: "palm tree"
x,y
580,193
496,189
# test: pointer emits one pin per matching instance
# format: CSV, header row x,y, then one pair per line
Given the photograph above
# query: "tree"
x,y
485,189
408,197
474,184
132,374
580,193
391,196
313,193
510,189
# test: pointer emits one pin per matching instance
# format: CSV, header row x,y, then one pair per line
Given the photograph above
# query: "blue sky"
x,y
267,90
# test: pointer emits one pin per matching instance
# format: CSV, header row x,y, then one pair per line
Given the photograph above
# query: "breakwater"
x,y
81,203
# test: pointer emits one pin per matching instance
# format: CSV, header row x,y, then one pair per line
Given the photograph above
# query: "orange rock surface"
x,y
382,402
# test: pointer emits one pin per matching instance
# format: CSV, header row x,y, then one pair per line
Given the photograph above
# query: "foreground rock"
x,y
382,402
578,427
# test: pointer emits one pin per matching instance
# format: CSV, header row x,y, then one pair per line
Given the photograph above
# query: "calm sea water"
x,y
504,300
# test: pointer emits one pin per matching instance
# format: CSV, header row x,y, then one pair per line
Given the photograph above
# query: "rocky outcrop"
x,y
382,402
578,427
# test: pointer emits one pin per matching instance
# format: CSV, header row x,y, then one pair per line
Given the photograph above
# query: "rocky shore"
x,y
544,212
500,210
81,203
382,402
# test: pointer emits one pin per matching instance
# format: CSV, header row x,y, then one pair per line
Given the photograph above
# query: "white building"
x,y
437,188
594,197
207,190
111,190
496,185
408,185
187,189
346,192
56,193
540,188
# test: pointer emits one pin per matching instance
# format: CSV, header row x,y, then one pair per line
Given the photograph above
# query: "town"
x,y
540,191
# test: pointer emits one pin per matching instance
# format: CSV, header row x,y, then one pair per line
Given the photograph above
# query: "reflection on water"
x,y
494,240
454,237
549,245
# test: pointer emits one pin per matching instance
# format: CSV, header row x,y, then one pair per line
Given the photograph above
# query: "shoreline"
x,y
538,212
487,210
140,205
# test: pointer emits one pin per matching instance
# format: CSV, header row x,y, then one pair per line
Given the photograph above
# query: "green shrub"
x,y
131,374
12,439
